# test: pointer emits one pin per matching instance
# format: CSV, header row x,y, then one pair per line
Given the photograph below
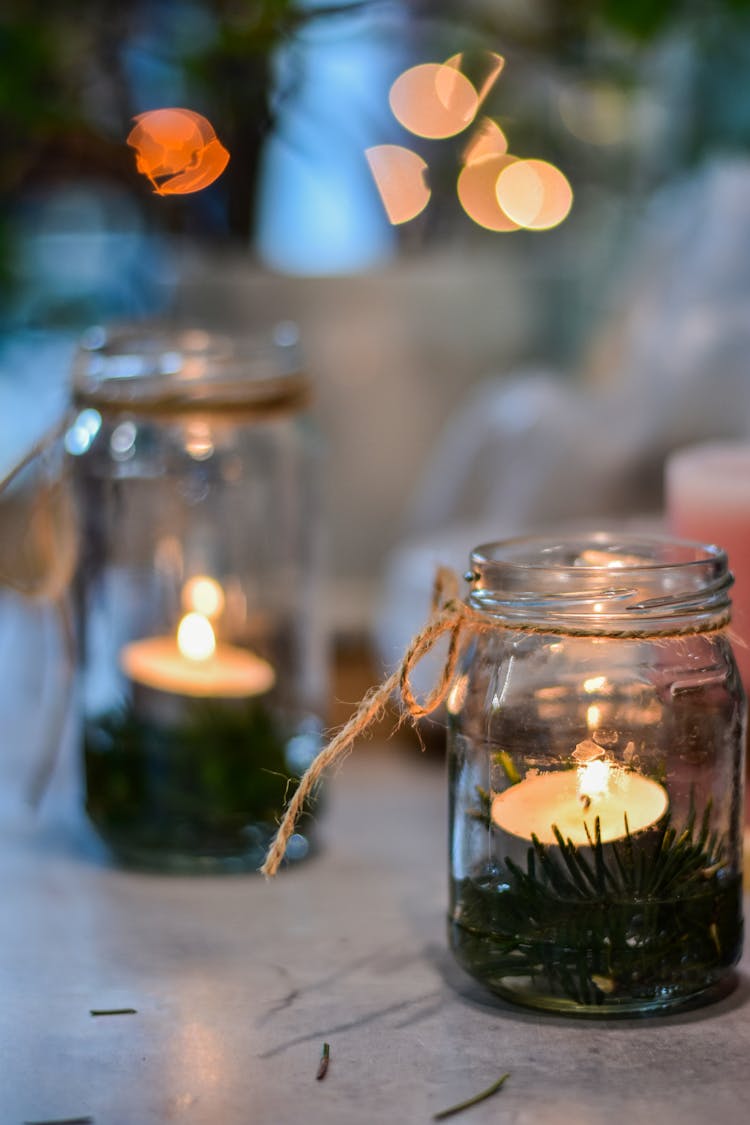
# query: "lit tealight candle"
x,y
193,664
572,800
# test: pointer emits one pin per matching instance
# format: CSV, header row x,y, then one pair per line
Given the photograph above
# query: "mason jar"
x,y
596,733
201,656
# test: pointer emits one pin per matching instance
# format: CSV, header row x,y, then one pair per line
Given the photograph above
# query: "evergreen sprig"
x,y
636,920
668,866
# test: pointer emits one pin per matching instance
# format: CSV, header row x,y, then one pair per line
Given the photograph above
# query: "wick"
x,y
585,801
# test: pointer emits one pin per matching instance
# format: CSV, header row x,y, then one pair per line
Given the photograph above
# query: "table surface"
x,y
237,982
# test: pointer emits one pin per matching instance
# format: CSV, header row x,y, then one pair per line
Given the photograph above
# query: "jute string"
x,y
448,615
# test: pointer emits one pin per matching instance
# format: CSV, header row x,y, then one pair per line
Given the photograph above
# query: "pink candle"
x,y
708,498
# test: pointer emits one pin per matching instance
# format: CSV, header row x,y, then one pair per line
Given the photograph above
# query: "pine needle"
x,y
112,1012
493,1089
323,1064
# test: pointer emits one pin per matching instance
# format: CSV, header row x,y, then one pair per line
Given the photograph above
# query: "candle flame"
x,y
195,637
594,778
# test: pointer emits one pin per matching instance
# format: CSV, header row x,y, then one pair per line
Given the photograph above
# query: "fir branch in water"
x,y
493,1089
604,921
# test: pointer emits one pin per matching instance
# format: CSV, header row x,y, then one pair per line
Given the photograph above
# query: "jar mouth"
x,y
155,368
602,583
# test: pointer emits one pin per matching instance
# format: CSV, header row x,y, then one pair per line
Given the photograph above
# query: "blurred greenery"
x,y
207,787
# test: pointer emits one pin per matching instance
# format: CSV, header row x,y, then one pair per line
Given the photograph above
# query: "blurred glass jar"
x,y
596,776
201,657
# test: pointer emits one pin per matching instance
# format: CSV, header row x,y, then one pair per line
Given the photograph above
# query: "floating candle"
x,y
572,800
193,664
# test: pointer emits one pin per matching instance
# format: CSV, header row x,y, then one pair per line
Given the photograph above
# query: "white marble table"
x,y
237,983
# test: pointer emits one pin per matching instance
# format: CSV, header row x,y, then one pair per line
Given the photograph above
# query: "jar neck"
x,y
602,584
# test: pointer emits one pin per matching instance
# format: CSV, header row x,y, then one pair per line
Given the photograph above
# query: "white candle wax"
x,y
573,799
708,498
193,664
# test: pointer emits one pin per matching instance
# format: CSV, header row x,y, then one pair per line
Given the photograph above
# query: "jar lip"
x,y
606,583
627,551
157,368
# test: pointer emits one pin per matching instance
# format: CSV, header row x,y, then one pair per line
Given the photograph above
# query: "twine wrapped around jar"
x,y
449,615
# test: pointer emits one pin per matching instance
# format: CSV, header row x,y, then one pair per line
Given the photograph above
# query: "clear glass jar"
x,y
596,732
202,661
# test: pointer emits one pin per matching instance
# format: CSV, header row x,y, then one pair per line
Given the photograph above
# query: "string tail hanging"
x,y
448,616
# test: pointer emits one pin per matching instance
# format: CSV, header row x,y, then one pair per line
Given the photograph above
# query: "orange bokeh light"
x,y
399,176
490,67
177,150
477,195
534,194
488,140
433,100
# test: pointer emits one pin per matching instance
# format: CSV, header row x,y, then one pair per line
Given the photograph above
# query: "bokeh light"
x,y
399,176
534,194
484,67
433,100
488,139
203,595
597,112
477,195
177,150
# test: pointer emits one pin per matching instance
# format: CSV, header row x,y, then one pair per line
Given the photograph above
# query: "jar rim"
x,y
603,582
627,551
156,368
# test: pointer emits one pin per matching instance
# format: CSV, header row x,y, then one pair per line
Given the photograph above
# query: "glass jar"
x,y
201,658
596,776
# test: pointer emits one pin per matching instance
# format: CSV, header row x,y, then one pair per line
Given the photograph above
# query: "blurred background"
x,y
471,382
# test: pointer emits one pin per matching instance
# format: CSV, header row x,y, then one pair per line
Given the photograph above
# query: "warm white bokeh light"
x,y
199,441
433,100
534,194
477,195
593,716
399,176
594,683
195,637
203,595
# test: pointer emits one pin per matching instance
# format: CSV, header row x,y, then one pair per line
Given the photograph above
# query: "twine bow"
x,y
448,615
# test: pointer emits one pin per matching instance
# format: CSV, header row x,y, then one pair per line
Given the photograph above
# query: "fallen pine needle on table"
x,y
112,1011
323,1064
63,1121
493,1089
